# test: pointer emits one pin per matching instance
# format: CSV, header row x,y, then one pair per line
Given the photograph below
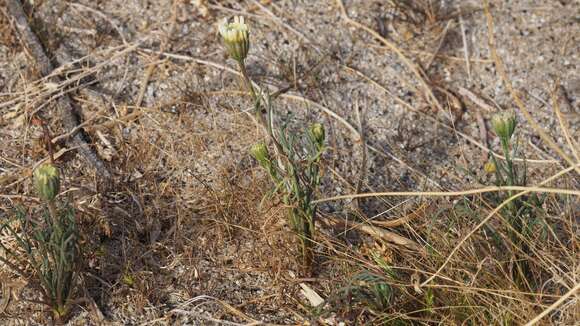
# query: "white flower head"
x,y
236,36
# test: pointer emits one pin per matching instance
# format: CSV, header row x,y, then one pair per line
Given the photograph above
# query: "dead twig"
x,y
417,213
555,305
155,61
479,117
414,68
64,103
438,48
465,45
363,165
556,99
378,233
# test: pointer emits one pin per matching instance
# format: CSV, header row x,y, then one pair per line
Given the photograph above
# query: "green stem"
x,y
510,173
257,102
53,213
247,80
505,148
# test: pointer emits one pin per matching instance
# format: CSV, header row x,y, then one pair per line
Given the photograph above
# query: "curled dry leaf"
x,y
106,151
416,280
314,298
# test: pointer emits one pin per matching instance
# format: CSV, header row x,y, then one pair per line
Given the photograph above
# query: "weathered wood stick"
x,y
64,103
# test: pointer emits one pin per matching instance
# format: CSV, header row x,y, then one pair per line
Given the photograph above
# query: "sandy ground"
x,y
181,237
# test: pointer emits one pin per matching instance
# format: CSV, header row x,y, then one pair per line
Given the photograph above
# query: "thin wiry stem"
x,y
453,193
247,80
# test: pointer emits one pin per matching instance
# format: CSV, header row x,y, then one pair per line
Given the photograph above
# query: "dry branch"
x,y
65,105
377,233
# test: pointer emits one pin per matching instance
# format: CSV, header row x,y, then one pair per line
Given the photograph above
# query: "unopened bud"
x,y
47,181
318,133
504,124
260,152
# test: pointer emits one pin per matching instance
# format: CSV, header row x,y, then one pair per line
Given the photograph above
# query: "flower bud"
x,y
260,152
47,181
504,124
318,134
236,36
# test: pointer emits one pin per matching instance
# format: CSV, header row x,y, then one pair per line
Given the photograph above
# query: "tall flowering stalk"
x,y
294,166
520,211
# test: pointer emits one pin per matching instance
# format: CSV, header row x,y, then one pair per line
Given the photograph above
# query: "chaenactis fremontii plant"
x,y
521,211
46,251
294,164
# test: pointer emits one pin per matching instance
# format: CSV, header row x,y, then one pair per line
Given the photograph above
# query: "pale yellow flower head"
x,y
236,36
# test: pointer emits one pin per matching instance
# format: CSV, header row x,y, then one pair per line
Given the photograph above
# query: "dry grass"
x,y
180,236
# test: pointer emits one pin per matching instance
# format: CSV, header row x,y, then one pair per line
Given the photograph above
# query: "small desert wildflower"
x,y
47,182
489,167
236,36
504,124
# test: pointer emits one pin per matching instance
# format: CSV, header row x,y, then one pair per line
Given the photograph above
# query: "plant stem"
x,y
53,213
510,173
257,102
247,80
505,148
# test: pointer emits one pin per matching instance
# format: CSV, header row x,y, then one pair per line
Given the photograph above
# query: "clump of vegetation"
x,y
46,251
367,289
295,166
520,211
296,175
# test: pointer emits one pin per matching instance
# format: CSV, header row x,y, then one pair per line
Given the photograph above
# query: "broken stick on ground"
x,y
65,104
